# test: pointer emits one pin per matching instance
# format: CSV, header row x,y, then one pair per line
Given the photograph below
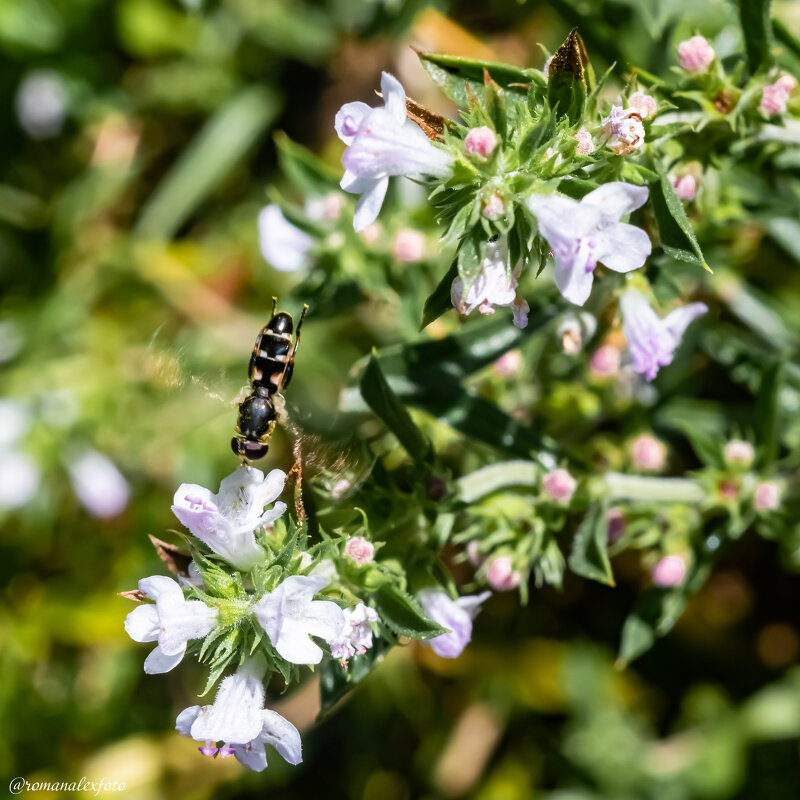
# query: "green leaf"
x,y
768,413
453,74
439,300
484,481
335,681
403,614
785,37
379,396
757,31
495,104
675,230
304,170
566,79
219,146
589,556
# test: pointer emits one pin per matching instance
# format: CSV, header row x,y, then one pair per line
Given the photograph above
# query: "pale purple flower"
x,y
696,54
585,144
480,142
356,636
669,571
455,615
648,453
581,234
360,550
651,340
501,575
382,142
172,622
685,186
496,285
282,244
226,521
559,485
739,453
239,720
623,130
408,246
290,616
767,496
41,103
19,479
643,104
98,484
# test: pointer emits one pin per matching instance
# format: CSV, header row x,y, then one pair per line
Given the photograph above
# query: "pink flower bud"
x,y
696,54
605,361
585,143
476,558
409,246
480,142
685,186
616,524
359,550
559,485
739,453
648,453
508,364
774,99
371,233
643,103
787,83
767,496
501,574
494,208
669,571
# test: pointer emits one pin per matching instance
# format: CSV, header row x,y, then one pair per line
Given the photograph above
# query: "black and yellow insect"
x,y
271,368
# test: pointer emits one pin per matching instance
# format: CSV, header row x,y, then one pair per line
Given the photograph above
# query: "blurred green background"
x,y
135,152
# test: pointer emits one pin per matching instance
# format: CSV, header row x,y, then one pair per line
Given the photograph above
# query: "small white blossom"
x,y
581,234
226,521
238,718
623,130
41,103
290,616
382,142
356,636
172,622
282,244
98,484
496,285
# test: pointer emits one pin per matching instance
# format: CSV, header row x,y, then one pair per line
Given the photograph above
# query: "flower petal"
x,y
355,185
616,199
369,204
394,97
623,247
272,514
282,735
575,283
349,118
294,645
282,245
185,720
324,619
235,715
272,487
562,218
190,619
160,587
472,603
678,320
158,662
142,623
251,755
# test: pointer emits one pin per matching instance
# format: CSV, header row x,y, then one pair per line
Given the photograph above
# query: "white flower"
x,y
41,103
172,622
282,244
98,484
583,233
226,521
238,718
383,142
496,285
624,130
19,479
652,341
456,615
356,636
290,615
